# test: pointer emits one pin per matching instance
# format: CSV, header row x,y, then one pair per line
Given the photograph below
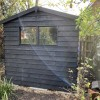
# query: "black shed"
x,y
41,48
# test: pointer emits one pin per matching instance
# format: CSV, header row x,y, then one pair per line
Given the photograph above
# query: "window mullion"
x,y
37,35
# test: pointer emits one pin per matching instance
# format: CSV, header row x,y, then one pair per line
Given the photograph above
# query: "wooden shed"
x,y
41,48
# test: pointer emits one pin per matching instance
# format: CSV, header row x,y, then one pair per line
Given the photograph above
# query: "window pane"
x,y
48,35
28,35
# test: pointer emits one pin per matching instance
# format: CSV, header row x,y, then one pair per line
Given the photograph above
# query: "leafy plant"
x,y
82,79
5,96
89,22
6,88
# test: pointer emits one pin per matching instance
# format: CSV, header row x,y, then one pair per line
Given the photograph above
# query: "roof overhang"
x,y
33,9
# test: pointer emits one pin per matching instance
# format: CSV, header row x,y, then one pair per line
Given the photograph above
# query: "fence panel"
x,y
88,47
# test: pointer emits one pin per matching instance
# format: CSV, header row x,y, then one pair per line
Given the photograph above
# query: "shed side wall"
x,y
41,66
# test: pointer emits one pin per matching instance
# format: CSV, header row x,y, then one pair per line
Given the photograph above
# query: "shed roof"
x,y
38,9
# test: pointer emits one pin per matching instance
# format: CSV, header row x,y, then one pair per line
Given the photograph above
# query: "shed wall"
x,y
42,66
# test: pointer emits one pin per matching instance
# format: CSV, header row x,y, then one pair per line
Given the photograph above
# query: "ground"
x,y
25,93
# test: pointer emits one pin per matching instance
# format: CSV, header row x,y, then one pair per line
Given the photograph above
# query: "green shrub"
x,y
83,83
6,88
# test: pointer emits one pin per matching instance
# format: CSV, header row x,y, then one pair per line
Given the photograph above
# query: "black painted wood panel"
x,y
51,67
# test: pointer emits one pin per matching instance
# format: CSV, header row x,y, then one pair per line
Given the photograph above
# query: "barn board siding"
x,y
67,34
67,39
11,32
40,84
12,38
40,57
40,62
42,53
49,82
46,86
36,71
67,28
40,18
60,43
41,81
37,76
28,61
39,66
69,44
42,48
31,84
44,66
40,23
11,29
11,42
63,74
51,78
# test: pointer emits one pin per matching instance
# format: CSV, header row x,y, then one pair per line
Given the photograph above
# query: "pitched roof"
x,y
39,9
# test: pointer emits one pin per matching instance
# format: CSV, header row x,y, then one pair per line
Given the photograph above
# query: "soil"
x,y
25,93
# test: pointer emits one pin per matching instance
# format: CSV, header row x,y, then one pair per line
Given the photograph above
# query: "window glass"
x,y
48,35
28,35
39,35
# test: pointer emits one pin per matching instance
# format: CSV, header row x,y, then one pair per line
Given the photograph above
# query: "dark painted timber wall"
x,y
42,66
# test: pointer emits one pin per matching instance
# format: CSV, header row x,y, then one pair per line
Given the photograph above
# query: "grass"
x,y
6,88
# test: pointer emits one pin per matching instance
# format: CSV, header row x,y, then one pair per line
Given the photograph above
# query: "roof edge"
x,y
17,15
66,15
62,14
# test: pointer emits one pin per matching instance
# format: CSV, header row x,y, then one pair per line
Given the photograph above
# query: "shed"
x,y
41,48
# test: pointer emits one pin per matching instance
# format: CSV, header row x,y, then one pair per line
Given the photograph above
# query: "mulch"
x,y
28,93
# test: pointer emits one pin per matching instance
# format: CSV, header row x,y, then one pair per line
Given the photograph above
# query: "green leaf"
x,y
84,1
71,5
92,0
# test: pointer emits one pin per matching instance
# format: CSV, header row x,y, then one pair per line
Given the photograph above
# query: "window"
x,y
28,35
39,35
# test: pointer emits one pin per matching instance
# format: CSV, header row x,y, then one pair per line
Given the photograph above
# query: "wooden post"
x,y
36,3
